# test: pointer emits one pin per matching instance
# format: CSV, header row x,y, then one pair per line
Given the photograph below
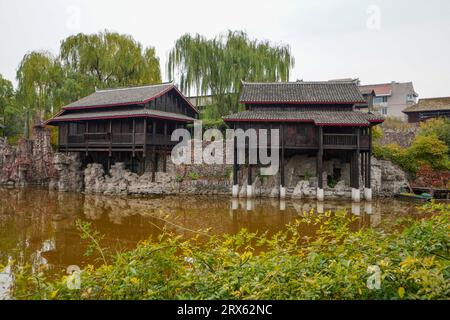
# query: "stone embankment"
x,y
34,162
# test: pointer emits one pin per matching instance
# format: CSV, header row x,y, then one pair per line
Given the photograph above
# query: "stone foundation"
x,y
387,179
33,162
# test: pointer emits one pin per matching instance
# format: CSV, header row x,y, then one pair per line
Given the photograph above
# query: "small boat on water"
x,y
424,197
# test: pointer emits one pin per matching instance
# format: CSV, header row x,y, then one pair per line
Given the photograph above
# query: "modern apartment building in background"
x,y
391,98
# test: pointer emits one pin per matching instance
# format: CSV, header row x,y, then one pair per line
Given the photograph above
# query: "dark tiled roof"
x,y
318,117
431,104
119,114
302,92
122,96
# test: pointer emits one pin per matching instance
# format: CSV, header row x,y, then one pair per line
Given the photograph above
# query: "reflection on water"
x,y
38,226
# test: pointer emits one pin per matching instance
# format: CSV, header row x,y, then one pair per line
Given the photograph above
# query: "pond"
x,y
38,226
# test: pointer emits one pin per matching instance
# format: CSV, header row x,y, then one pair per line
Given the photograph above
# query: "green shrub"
x,y
430,150
337,263
424,150
193,175
436,127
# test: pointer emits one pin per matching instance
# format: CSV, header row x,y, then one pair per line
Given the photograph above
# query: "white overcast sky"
x,y
374,40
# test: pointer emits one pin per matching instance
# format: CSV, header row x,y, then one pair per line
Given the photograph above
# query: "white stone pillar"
x,y
368,194
368,208
356,209
249,191
356,195
320,194
235,191
282,205
249,205
234,204
320,207
282,192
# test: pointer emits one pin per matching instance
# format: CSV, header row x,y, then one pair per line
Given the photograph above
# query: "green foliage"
x,y
425,150
38,75
377,133
179,178
193,175
413,260
332,182
214,124
436,127
430,150
217,66
397,154
8,107
109,59
307,175
47,82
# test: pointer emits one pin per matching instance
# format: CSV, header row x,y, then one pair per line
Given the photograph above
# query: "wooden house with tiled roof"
x,y
428,108
128,125
314,118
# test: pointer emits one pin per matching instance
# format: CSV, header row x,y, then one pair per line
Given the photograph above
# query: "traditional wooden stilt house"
x,y
314,118
131,125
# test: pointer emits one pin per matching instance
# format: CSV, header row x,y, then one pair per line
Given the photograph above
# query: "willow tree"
x,y
217,66
6,102
109,59
38,76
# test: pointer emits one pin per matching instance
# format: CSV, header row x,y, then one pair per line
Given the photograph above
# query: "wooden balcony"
x,y
106,141
344,141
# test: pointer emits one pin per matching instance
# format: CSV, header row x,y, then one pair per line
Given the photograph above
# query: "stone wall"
x,y
29,162
68,174
402,137
301,180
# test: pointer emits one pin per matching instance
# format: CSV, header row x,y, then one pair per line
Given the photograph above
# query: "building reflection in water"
x,y
38,226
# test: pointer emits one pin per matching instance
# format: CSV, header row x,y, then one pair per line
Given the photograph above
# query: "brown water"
x,y
38,226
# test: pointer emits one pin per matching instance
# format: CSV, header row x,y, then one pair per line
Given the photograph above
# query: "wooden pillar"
x,y
134,137
282,174
357,153
165,161
155,164
282,177
110,138
144,147
85,137
320,159
363,166
154,132
235,164
369,160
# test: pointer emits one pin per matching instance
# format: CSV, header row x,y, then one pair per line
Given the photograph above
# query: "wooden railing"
x,y
335,139
118,139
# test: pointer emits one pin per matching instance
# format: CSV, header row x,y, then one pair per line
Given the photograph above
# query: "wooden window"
x,y
81,128
302,131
